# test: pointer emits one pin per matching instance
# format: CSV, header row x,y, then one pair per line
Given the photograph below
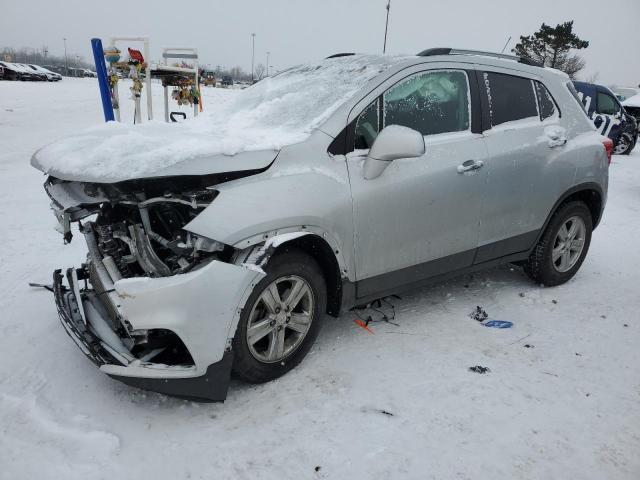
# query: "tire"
x,y
541,266
261,361
626,142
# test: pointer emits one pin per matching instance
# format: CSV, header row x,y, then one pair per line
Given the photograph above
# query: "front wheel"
x,y
626,142
563,246
281,318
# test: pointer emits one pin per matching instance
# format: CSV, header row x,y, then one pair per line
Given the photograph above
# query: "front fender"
x,y
303,199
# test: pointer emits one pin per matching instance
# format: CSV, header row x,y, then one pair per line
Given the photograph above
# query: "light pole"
x,y
77,60
66,65
253,53
268,53
44,53
386,27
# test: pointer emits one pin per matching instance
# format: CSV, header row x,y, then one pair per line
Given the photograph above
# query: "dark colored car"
x,y
609,116
227,81
9,72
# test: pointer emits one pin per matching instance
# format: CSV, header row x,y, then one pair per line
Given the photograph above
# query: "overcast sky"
x,y
298,30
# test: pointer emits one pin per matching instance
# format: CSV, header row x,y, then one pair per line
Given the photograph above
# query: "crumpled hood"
x,y
241,134
114,152
632,101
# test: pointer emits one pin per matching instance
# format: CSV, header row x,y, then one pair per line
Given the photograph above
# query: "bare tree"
x,y
260,70
593,78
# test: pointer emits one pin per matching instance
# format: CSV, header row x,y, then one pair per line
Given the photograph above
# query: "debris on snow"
x,y
498,324
362,324
479,369
479,314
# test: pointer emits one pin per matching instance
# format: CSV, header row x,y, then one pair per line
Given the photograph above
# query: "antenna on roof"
x,y
505,45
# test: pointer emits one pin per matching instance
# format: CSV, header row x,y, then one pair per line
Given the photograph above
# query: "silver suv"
x,y
218,245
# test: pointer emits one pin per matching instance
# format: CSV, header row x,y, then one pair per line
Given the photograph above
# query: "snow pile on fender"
x,y
278,111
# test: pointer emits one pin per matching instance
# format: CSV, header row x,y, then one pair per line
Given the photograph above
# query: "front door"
x,y
420,217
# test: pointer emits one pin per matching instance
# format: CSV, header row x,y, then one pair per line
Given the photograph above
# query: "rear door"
x,y
522,133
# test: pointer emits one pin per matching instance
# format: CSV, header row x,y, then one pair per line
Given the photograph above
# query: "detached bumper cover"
x,y
204,326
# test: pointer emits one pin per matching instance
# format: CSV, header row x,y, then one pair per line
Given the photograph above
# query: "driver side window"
x,y
607,105
430,102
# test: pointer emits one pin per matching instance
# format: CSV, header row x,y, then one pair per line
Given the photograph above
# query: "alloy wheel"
x,y
568,244
280,319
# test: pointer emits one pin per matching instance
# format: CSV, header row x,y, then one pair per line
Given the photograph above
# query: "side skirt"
x,y
440,270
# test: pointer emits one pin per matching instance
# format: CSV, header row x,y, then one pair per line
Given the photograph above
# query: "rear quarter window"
x,y
546,104
510,97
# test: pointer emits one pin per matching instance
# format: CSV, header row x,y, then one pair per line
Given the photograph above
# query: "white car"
x,y
623,93
632,106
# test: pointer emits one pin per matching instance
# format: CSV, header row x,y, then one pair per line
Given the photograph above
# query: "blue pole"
x,y
103,80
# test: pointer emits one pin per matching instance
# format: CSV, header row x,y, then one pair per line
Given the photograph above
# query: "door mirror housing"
x,y
392,143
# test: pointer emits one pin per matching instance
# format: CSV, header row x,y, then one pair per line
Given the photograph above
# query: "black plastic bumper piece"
x,y
210,387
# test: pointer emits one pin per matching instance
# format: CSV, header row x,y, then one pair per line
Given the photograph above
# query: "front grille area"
x,y
634,112
103,294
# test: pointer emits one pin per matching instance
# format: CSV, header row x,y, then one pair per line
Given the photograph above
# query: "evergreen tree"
x,y
552,47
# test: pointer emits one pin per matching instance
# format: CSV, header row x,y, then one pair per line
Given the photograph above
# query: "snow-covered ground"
x,y
399,403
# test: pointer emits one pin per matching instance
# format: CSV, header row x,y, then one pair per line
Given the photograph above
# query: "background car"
x,y
51,76
208,78
622,93
227,81
14,72
609,116
36,75
632,106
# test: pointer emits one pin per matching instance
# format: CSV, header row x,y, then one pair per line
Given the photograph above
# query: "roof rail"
x,y
337,55
456,51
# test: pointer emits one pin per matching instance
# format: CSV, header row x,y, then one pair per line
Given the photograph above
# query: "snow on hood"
x,y
632,101
277,111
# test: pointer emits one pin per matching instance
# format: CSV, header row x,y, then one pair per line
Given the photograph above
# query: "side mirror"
x,y
392,142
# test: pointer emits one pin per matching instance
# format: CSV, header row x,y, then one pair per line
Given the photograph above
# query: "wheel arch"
x,y
589,193
319,249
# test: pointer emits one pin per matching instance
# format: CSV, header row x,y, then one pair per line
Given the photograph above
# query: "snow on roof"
x,y
277,111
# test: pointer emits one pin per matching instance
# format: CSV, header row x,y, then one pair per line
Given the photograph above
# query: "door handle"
x,y
470,165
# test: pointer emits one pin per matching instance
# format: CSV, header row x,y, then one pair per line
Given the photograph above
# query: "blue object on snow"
x,y
498,324
103,81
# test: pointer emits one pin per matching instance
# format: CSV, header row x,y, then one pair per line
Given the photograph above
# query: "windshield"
x,y
301,98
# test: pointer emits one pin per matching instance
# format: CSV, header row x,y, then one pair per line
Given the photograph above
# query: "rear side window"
x,y
546,104
510,98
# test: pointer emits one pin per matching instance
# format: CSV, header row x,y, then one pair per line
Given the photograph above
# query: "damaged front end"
x,y
154,305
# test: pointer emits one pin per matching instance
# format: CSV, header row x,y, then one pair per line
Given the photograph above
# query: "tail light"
x,y
608,147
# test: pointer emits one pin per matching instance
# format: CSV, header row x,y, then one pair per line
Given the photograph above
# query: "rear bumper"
x,y
202,316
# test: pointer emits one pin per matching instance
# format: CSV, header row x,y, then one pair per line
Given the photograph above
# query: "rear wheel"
x,y
563,246
281,319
